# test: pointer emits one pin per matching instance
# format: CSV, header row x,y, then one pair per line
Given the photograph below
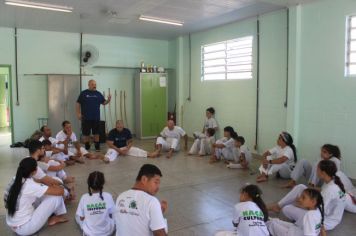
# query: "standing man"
x,y
88,111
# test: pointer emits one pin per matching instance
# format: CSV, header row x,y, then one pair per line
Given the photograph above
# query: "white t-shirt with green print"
x,y
96,213
249,219
138,213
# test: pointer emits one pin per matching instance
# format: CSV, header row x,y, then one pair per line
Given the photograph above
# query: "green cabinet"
x,y
151,104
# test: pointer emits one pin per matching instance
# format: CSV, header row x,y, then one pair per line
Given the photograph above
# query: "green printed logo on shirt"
x,y
96,206
133,205
318,226
252,213
341,194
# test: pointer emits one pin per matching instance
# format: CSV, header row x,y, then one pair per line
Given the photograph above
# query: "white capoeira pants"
x,y
112,154
202,146
74,151
199,135
283,169
225,153
296,214
48,205
313,178
289,209
168,143
302,168
60,174
110,222
278,227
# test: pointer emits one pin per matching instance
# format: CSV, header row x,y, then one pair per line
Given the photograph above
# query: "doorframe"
x,y
11,102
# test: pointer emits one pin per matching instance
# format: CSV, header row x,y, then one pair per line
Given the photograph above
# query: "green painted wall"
x,y
57,52
235,101
327,99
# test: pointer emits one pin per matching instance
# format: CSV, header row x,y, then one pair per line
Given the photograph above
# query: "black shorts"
x,y
90,126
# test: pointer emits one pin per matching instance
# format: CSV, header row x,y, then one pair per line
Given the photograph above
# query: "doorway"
x,y
5,105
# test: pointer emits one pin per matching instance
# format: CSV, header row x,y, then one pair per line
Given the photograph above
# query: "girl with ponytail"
x,y
332,191
279,160
102,203
250,214
224,147
20,196
305,168
312,224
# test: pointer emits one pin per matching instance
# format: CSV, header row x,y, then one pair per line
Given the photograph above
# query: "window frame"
x,y
348,51
228,55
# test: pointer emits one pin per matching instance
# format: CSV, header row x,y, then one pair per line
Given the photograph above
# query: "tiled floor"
x,y
200,196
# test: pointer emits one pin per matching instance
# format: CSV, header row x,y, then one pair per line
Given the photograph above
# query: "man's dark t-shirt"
x,y
90,102
120,138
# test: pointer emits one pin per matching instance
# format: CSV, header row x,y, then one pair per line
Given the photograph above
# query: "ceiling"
x,y
120,17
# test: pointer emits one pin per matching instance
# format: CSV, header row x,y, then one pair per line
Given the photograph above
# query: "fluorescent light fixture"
x,y
160,20
38,5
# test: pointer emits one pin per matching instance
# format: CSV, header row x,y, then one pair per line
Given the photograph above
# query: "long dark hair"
x,y
255,193
332,150
96,181
288,139
329,167
316,195
231,131
26,167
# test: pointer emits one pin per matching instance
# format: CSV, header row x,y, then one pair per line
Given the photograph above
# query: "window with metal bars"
x,y
228,60
350,62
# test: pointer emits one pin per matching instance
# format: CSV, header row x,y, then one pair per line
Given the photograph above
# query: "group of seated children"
x,y
231,148
310,210
33,199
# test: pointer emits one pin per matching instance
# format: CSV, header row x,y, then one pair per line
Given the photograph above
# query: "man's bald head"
x,y
92,85
120,125
170,124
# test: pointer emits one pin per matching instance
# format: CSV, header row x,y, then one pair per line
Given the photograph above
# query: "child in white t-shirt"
x,y
224,147
54,168
95,209
333,193
244,154
250,214
312,222
306,169
209,122
203,146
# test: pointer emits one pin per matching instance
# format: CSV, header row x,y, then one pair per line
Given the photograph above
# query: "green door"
x,y
160,104
153,105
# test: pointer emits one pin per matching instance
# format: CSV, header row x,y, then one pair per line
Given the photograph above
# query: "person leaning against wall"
x,y
88,112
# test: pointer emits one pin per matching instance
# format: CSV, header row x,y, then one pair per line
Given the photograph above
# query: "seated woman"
x,y
224,147
305,168
279,159
332,191
24,216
